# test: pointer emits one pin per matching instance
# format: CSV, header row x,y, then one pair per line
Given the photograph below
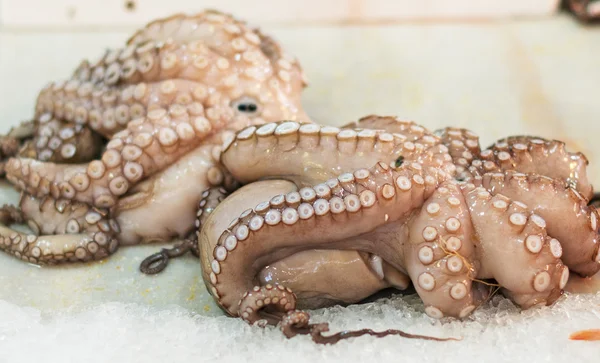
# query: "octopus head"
x,y
245,74
268,85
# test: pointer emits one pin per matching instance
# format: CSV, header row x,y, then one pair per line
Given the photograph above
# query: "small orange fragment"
x,y
590,334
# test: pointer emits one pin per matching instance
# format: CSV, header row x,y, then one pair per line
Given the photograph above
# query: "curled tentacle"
x,y
82,235
463,146
62,142
268,303
276,304
157,262
570,220
10,214
131,155
527,154
511,234
362,202
13,141
311,273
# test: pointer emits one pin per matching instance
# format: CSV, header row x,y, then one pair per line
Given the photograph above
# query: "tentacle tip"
x,y
154,263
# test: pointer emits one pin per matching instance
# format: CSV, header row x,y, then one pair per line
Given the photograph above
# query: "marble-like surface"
x,y
525,77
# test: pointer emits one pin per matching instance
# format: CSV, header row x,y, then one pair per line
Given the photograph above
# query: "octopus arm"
x,y
463,235
279,228
570,220
463,147
441,256
515,248
81,234
318,277
148,145
296,151
390,124
528,154
60,142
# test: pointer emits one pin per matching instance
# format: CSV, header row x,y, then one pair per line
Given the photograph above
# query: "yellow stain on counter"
x,y
146,292
193,289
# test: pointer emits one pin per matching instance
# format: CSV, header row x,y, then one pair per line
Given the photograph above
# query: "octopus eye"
x,y
246,105
399,161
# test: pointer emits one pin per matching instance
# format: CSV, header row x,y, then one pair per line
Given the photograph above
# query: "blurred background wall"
x,y
126,13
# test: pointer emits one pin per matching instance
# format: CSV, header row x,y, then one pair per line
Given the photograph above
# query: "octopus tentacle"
x,y
147,146
297,322
528,154
209,231
511,234
109,110
270,304
60,142
570,219
393,125
61,216
288,148
463,146
442,253
318,277
13,141
84,234
158,261
361,203
274,301
211,198
277,304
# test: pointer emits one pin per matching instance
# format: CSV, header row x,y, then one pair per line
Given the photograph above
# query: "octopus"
x,y
121,152
332,215
195,130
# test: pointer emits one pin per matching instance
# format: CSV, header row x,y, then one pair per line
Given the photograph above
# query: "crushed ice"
x,y
497,332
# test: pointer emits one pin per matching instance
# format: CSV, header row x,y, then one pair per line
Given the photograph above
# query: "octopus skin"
x,y
166,104
392,204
